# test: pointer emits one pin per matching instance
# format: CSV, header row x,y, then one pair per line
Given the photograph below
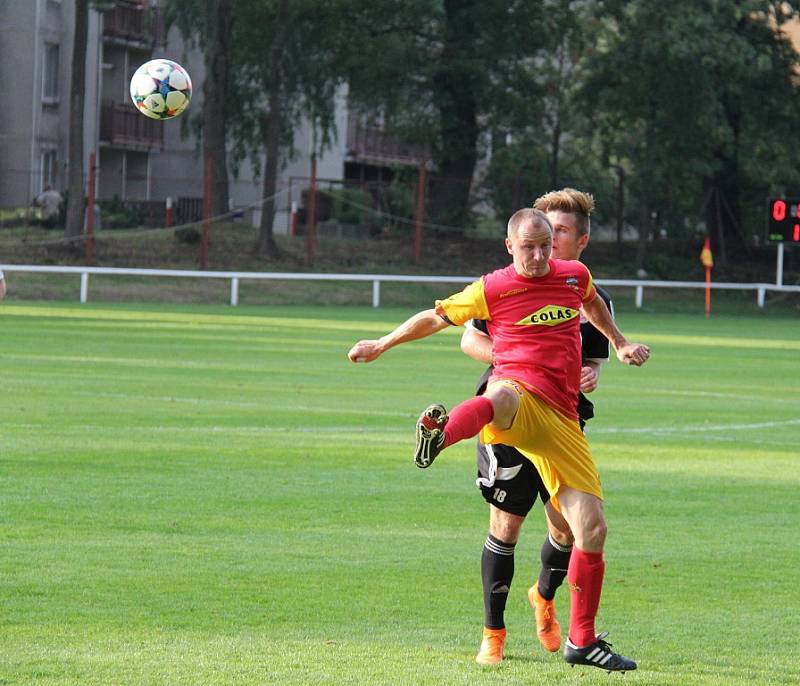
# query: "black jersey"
x,y
594,346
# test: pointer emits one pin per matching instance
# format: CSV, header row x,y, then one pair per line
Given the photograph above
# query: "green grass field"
x,y
198,495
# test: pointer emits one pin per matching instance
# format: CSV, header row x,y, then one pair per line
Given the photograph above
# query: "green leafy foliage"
x,y
680,117
444,74
349,205
693,98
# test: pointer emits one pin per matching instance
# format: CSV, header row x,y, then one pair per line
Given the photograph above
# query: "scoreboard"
x,y
783,224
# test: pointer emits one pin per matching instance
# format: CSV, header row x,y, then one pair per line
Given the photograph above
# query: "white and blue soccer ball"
x,y
161,89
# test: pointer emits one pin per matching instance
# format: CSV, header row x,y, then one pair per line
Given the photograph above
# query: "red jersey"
x,y
534,324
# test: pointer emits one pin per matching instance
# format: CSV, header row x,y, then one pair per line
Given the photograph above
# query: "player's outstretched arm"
x,y
630,353
421,325
476,344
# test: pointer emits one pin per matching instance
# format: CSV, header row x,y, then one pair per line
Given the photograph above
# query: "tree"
x,y
634,83
568,22
447,74
218,32
77,99
209,24
759,99
531,155
286,73
677,93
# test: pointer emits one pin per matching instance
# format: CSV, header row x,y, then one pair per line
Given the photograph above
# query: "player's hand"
x,y
634,354
588,379
365,351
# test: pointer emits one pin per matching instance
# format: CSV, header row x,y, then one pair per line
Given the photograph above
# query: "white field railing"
x,y
375,279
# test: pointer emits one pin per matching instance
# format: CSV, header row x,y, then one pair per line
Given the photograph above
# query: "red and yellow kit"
x,y
534,324
535,328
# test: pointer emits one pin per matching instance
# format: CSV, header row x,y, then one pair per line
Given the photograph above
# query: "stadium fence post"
x,y
376,293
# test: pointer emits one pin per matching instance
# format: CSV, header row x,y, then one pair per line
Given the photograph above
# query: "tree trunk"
x,y
555,143
75,187
713,216
723,214
215,88
620,207
555,139
272,132
723,253
450,187
646,187
731,188
457,107
645,228
271,128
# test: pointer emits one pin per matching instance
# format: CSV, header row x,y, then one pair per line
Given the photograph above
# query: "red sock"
x,y
467,419
585,578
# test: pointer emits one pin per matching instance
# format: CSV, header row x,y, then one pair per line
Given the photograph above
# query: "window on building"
x,y
50,81
49,170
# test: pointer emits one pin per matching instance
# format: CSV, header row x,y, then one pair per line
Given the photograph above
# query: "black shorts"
x,y
515,483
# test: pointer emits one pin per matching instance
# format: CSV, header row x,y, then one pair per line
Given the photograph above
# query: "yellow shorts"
x,y
553,442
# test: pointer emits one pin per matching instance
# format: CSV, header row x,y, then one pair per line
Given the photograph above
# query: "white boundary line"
x,y
365,429
695,429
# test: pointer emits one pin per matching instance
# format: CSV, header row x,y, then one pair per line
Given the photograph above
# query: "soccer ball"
x,y
161,89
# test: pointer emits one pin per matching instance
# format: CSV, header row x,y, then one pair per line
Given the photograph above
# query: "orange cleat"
x,y
548,630
491,651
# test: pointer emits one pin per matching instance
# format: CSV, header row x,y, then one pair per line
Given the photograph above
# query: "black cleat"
x,y
598,654
430,435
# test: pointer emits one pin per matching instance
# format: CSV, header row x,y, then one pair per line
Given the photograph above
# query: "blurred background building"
x,y
140,160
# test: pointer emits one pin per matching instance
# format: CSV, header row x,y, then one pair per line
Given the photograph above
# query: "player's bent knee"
x,y
589,529
593,535
505,403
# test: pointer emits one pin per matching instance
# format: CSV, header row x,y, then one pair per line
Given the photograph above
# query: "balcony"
x,y
122,126
372,145
131,23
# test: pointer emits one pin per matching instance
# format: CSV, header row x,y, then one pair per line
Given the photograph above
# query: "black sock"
x,y
555,560
497,570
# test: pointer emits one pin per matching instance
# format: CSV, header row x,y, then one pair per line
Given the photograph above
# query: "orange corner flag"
x,y
705,254
708,262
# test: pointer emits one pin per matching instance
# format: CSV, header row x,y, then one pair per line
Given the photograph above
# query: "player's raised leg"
x,y
436,430
430,435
